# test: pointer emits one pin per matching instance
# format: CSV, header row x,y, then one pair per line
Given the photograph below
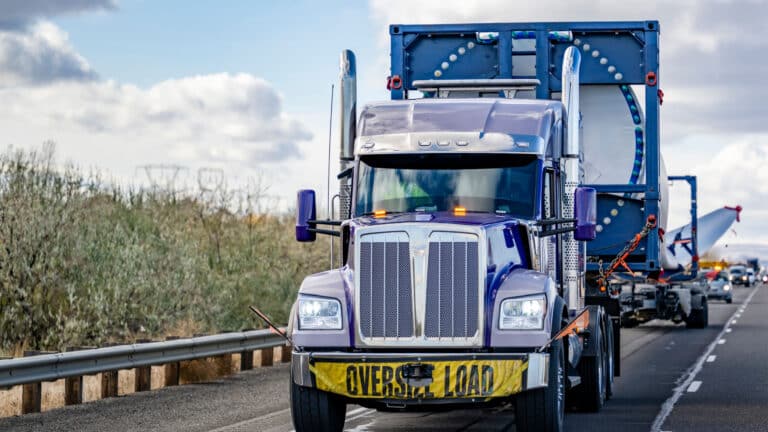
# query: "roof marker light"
x,y
460,211
379,213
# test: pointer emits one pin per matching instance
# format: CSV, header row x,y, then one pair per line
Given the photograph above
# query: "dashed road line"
x,y
689,376
711,358
694,387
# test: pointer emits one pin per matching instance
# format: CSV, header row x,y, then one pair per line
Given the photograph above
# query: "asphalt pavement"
x,y
661,362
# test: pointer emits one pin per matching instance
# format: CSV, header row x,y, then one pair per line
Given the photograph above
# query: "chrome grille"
x,y
386,303
452,286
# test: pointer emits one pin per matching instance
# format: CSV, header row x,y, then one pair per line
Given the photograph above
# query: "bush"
x,y
82,263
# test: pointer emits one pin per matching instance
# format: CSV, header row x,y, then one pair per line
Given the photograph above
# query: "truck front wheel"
x,y
544,409
316,410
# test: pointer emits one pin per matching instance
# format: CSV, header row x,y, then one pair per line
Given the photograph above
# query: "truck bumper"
x,y
418,378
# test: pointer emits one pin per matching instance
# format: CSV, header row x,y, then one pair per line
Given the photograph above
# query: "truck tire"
x,y
591,393
543,410
316,410
699,317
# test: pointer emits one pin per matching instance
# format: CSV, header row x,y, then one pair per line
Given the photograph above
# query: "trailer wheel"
x,y
699,318
316,410
544,409
591,393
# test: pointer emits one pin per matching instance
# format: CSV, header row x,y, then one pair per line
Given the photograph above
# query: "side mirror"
x,y
585,212
305,211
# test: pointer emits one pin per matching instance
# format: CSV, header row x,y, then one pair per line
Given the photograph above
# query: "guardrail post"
x,y
246,357
246,360
31,394
285,353
143,374
73,386
171,369
267,355
109,381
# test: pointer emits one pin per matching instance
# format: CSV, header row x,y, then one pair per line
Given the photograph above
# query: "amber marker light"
x,y
379,213
460,211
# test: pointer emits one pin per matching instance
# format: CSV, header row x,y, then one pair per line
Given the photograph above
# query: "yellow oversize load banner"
x,y
452,379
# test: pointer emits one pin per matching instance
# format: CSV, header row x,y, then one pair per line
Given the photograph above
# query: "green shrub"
x,y
82,263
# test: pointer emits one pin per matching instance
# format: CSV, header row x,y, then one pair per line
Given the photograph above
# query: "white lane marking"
x,y
687,378
356,411
252,420
694,386
711,358
728,330
733,322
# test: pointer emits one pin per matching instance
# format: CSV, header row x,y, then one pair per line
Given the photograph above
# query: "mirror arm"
x,y
325,231
548,233
325,222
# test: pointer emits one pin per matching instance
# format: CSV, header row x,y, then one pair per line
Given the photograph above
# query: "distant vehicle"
x,y
751,278
720,287
738,275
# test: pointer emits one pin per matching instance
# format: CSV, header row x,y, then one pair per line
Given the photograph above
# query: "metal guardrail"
x,y
51,367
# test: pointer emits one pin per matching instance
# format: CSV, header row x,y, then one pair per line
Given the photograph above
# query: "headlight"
x,y
730,277
525,313
743,278
317,313
726,287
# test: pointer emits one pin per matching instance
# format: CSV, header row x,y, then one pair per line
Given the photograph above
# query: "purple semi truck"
x,y
463,229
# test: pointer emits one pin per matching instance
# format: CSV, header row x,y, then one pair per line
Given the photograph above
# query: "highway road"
x,y
673,379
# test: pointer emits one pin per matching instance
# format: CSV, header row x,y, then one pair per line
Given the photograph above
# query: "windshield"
x,y
737,271
497,183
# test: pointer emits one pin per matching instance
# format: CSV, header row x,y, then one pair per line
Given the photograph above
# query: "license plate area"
x,y
409,380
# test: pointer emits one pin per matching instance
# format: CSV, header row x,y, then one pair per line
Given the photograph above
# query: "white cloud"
x,y
234,122
40,54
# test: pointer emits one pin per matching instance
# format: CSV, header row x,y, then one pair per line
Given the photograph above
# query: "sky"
x,y
243,87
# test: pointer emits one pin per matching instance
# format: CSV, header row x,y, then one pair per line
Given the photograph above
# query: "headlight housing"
x,y
319,313
522,313
726,287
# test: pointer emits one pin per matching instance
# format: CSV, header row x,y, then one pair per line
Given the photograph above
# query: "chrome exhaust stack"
x,y
348,128
573,288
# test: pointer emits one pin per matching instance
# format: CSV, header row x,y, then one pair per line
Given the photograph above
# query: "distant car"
x,y
765,278
738,275
720,287
751,279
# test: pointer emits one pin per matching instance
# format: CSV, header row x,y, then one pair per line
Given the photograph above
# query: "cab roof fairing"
x,y
463,125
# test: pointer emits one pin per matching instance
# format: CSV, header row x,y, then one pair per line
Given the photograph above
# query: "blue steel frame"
x,y
694,224
634,47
